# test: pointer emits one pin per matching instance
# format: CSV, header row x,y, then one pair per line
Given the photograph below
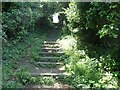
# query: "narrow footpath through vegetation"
x,y
76,49
47,71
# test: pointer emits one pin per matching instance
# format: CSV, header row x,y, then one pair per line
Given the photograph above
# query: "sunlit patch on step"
x,y
50,51
67,42
36,68
62,68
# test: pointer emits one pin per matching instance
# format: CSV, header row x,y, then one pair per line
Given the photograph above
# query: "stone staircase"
x,y
50,63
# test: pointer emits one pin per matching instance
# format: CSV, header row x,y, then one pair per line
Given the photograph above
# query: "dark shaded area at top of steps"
x,y
56,54
53,34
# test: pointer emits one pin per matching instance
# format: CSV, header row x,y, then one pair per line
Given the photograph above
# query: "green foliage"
x,y
81,19
110,30
107,16
72,14
35,48
42,80
14,22
12,54
20,18
23,76
91,66
96,24
87,72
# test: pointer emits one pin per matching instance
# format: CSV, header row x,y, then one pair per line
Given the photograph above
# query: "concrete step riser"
x,y
31,88
47,44
51,50
51,43
47,48
51,60
51,54
50,46
48,64
54,75
52,87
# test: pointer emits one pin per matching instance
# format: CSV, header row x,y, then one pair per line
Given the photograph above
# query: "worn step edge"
x,y
50,42
50,57
47,65
39,87
51,48
50,45
52,53
49,74
50,60
56,63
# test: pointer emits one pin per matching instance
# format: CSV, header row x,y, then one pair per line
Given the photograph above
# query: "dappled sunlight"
x,y
67,43
62,68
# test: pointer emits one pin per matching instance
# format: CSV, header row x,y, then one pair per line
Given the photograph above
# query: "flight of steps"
x,y
50,61
50,65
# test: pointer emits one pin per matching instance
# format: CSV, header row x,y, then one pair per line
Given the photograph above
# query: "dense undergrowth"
x,y
86,71
17,38
94,60
15,52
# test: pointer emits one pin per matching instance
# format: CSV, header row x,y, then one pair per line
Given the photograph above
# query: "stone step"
x,y
49,74
51,53
50,42
48,48
51,49
50,59
51,45
56,86
48,64
56,63
59,69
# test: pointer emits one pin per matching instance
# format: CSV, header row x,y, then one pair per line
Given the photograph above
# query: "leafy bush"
x,y
12,54
18,21
42,80
81,21
90,66
35,49
97,24
23,76
87,72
